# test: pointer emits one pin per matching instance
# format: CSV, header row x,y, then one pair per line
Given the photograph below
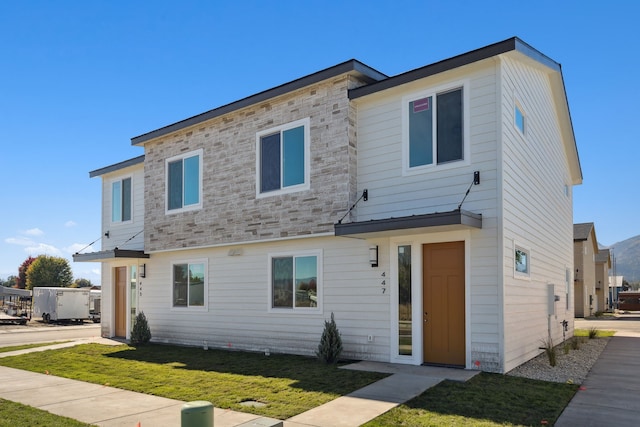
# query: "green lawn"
x,y
290,385
485,400
14,414
26,346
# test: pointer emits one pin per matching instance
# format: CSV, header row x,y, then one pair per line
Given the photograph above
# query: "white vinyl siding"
x,y
121,232
441,189
537,213
239,317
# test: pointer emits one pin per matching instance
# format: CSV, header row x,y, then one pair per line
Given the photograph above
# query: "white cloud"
x,y
70,224
42,249
34,232
20,241
96,271
77,247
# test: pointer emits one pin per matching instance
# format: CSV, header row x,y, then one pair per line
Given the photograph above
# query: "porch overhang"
x,y
109,255
414,224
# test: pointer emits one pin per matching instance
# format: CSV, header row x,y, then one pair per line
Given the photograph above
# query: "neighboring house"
x,y
585,248
615,287
603,265
431,212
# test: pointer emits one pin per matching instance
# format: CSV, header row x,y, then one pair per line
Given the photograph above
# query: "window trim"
x,y
113,181
466,146
319,282
521,274
205,262
195,206
306,185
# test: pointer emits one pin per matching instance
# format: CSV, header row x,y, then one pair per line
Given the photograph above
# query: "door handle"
x,y
425,317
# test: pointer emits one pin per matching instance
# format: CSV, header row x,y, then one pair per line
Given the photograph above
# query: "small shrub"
x,y
566,348
140,334
593,333
575,343
550,351
330,345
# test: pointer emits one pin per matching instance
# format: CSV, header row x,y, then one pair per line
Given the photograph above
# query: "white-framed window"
x,y
519,118
521,262
189,284
121,200
184,182
283,159
435,128
295,281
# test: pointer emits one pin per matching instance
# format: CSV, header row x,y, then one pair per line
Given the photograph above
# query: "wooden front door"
x,y
443,302
121,302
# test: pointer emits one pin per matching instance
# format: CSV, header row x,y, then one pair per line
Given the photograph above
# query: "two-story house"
x,y
431,212
585,247
603,265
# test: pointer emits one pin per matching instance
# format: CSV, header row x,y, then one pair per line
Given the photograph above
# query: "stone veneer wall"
x,y
231,212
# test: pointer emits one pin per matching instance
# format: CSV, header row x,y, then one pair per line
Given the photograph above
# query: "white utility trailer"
x,y
56,304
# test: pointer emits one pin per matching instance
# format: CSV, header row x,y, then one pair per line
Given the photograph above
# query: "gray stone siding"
x,y
230,210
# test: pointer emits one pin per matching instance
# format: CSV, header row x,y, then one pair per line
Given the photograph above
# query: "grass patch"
x,y
587,332
289,385
485,400
15,414
26,346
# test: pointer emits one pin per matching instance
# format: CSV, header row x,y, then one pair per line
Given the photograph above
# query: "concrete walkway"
x,y
106,406
609,394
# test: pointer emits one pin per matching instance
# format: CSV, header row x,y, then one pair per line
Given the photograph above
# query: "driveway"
x,y
628,322
36,332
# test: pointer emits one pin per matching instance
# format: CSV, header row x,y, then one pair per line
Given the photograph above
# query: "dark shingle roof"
x,y
581,231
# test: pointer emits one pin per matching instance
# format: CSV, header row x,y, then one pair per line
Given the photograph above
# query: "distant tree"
x,y
49,271
10,282
625,285
81,283
22,272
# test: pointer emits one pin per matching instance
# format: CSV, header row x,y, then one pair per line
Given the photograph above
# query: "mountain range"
x,y
627,259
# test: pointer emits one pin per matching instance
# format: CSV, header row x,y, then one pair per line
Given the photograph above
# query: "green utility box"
x,y
197,414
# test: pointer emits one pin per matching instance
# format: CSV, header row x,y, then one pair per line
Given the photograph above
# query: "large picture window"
x,y
434,128
283,159
295,281
121,200
184,181
189,284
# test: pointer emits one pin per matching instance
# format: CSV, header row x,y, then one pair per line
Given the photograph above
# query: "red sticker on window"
x,y
421,105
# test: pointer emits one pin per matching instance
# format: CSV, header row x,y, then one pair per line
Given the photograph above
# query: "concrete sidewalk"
x,y
112,407
609,394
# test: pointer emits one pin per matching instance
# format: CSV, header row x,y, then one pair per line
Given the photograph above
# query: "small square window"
x,y
295,281
519,119
521,261
189,284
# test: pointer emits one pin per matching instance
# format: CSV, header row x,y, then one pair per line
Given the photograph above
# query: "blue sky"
x,y
78,79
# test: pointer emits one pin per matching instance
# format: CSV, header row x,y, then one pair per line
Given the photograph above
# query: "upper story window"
x,y
184,182
121,200
519,119
282,161
434,124
189,284
295,280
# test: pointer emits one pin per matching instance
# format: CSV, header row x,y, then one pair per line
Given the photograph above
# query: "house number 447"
x,y
384,282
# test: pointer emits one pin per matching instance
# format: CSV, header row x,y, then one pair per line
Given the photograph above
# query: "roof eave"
x,y
352,66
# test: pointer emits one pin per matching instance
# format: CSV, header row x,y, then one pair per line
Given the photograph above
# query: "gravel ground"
x,y
572,367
